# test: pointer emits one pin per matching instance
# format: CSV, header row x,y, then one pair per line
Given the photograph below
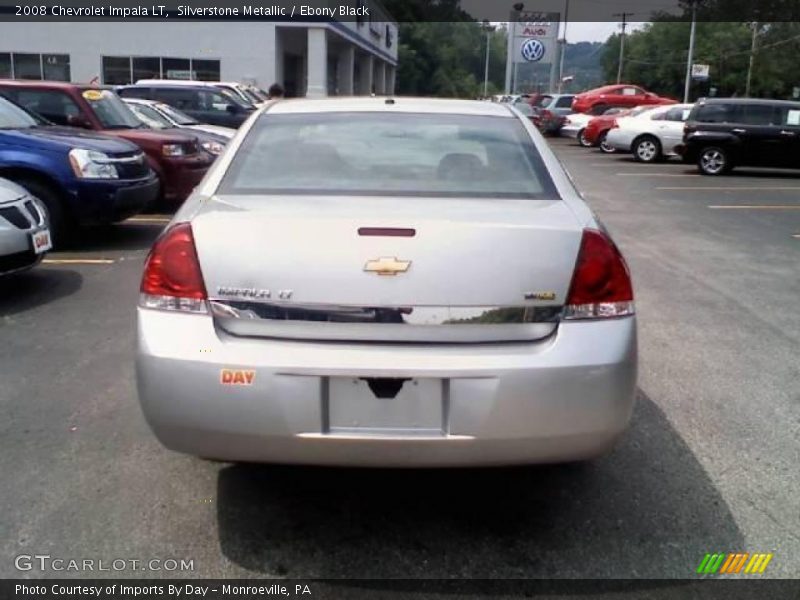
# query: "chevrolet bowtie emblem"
x,y
387,266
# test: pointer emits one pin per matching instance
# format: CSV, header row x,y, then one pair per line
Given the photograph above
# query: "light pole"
x,y
563,47
624,16
688,84
488,29
752,60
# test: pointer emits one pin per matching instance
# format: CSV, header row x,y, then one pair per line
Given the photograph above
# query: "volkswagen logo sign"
x,y
533,50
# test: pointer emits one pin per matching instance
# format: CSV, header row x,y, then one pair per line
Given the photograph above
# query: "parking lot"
x,y
709,464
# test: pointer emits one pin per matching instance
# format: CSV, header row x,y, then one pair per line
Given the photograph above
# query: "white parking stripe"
x,y
728,189
658,175
755,206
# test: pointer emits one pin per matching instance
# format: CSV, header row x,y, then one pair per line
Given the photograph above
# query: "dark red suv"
x,y
177,158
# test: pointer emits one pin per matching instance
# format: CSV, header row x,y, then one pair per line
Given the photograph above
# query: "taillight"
x,y
601,284
172,278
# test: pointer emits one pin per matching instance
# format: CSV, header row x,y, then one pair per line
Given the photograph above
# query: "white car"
x,y
387,282
152,110
574,126
652,135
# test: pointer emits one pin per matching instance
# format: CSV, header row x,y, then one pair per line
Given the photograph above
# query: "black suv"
x,y
723,133
207,104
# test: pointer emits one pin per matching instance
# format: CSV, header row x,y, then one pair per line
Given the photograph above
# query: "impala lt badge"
x,y
387,266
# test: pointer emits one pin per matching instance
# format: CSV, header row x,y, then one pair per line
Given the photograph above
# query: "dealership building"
x,y
308,58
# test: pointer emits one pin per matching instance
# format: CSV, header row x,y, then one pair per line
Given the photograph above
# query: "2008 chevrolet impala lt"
x,y
387,282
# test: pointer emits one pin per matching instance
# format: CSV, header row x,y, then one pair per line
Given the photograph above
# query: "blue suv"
x,y
83,178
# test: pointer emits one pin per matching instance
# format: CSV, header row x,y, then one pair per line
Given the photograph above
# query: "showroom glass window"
x,y
146,67
27,66
56,67
206,70
5,65
116,70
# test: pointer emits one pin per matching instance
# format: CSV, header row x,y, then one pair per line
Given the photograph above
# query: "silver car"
x,y
24,233
387,282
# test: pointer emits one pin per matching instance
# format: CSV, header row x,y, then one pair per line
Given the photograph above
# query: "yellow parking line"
x,y
148,220
78,261
755,206
728,189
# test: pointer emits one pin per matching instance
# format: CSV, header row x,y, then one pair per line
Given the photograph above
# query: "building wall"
x,y
251,52
246,49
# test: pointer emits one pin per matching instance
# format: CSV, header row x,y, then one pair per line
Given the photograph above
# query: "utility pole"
x,y
563,47
752,60
624,16
488,29
688,85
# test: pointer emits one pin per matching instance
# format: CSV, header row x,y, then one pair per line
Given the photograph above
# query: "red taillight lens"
x,y
172,278
601,284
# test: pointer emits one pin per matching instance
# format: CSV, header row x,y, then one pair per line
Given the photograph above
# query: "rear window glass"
x,y
395,154
565,102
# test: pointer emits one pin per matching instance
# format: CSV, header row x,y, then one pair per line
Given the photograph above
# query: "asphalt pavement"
x,y
710,463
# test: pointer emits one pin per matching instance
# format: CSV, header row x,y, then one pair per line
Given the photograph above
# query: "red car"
x,y
598,101
594,134
177,158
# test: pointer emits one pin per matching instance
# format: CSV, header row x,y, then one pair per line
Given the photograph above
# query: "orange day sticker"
x,y
236,377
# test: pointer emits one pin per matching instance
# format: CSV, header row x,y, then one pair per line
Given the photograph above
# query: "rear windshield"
x,y
389,154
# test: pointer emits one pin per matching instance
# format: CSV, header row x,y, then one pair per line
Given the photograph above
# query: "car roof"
x,y
64,85
399,104
188,82
140,101
756,101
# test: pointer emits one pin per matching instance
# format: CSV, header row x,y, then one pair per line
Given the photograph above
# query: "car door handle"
x,y
791,133
739,130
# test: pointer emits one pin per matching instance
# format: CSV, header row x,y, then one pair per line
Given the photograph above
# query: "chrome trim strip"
x,y
385,315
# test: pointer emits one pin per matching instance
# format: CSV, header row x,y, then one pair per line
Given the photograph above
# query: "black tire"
x,y
605,148
62,226
714,161
599,109
647,149
582,139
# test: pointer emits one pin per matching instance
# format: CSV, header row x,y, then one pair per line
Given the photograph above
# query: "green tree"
x,y
655,57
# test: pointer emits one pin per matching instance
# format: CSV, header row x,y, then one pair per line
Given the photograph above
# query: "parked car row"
x,y
73,155
715,134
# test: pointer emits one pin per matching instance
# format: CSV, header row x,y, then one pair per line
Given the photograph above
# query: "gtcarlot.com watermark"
x,y
46,562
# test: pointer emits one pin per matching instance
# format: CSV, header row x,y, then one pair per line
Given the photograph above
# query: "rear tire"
x,y
714,161
647,149
582,139
599,109
604,147
62,226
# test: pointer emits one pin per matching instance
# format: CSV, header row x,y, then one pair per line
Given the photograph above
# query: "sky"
x,y
594,32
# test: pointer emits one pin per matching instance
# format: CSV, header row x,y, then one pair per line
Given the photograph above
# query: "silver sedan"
x,y
24,233
387,282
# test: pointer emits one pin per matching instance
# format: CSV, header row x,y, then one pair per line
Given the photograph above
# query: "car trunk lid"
x,y
315,267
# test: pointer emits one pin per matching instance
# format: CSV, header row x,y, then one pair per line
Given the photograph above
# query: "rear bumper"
x,y
566,398
100,202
